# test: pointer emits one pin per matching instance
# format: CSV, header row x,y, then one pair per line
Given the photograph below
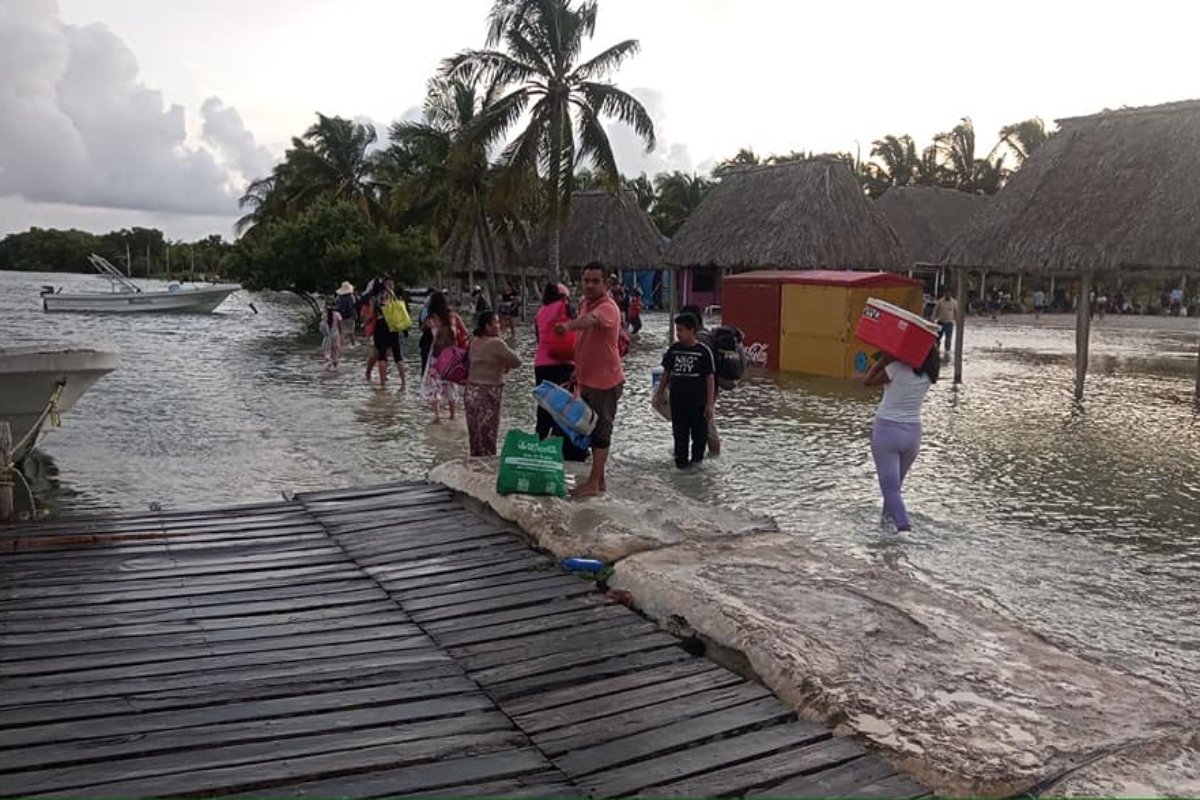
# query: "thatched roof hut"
x,y
609,227
809,214
1108,192
927,218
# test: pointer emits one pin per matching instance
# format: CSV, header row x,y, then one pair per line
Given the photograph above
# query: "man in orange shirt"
x,y
599,377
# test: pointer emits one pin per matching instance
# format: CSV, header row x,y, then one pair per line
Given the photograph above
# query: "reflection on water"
x,y
1080,521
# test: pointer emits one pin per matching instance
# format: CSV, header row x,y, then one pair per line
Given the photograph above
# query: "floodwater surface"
x,y
1080,521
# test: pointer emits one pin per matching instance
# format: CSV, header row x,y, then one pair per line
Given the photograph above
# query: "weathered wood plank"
x,y
562,659
844,780
457,772
603,686
544,582
697,688
247,766
621,724
609,782
613,666
584,633
400,688
516,570
741,778
351,675
161,660
531,597
566,617
498,546
433,570
658,741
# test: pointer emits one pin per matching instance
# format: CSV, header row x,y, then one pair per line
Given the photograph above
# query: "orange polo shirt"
x,y
597,359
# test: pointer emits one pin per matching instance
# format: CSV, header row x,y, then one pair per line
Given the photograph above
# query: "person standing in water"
x,y
554,360
896,434
331,337
490,360
690,369
945,311
705,338
599,376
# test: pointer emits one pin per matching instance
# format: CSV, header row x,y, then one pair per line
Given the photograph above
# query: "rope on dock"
x,y
50,412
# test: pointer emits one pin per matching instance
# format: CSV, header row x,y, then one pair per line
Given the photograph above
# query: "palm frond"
x,y
606,62
609,101
595,146
490,66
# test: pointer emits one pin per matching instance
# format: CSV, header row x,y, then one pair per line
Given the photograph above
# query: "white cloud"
x,y
225,132
78,127
630,151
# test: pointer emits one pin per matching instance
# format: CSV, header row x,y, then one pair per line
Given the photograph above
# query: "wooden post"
x,y
960,321
983,290
673,305
1020,276
1050,299
7,510
1083,322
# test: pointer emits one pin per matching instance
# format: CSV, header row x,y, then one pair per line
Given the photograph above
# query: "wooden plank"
x,y
315,499
544,582
367,599
290,539
693,686
613,666
400,688
31,649
245,766
84,673
436,569
59,754
457,772
357,674
563,618
160,660
621,724
338,579
741,778
900,786
594,643
499,546
585,690
609,782
229,675
843,780
536,785
554,662
658,741
371,527
585,632
28,631
531,597
452,577
489,618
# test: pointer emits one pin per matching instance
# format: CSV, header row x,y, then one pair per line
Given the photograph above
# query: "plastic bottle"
x,y
583,564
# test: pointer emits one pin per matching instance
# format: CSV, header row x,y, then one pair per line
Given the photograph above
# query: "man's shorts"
x,y
604,403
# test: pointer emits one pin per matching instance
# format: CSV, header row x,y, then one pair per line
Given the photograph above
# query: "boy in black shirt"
x,y
689,369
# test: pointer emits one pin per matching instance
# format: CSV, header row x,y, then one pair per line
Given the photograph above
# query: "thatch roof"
x,y
607,227
1109,191
927,218
809,214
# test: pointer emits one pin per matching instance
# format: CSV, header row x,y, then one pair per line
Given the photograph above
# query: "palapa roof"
x,y
1110,191
809,214
609,227
927,218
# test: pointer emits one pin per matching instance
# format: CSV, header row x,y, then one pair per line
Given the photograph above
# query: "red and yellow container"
x,y
805,321
896,331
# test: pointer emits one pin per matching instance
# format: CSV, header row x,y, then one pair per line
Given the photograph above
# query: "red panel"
x,y
754,307
825,277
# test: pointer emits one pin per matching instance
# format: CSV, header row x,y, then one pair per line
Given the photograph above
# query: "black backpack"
x,y
725,341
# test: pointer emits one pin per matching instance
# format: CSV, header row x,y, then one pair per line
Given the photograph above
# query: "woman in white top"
x,y
896,435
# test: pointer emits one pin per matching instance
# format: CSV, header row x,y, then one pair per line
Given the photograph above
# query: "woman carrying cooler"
x,y
896,434
490,359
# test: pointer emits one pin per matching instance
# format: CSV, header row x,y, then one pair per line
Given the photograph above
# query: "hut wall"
x,y
701,286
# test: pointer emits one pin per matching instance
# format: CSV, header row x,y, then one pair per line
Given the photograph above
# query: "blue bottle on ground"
x,y
583,564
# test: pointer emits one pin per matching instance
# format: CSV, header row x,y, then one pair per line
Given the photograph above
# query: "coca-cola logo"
x,y
756,354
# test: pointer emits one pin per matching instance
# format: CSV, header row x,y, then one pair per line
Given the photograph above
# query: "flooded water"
x,y
1082,523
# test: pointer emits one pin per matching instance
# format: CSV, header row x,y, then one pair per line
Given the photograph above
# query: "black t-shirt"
x,y
687,366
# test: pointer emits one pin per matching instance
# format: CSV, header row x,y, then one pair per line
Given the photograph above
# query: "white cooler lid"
x,y
903,313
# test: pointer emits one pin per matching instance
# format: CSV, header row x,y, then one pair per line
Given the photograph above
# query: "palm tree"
x,y
897,165
1023,138
746,157
565,100
332,159
643,191
956,150
678,196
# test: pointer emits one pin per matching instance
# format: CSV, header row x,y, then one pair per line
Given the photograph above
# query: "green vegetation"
x,y
46,250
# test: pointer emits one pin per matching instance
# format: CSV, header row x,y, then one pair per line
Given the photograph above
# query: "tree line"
x,y
149,251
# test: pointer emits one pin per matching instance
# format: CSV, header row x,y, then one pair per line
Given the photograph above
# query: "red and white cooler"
x,y
896,331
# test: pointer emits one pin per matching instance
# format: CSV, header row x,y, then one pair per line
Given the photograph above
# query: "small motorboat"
x,y
30,377
127,297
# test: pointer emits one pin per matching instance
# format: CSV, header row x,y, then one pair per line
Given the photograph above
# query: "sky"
x,y
115,113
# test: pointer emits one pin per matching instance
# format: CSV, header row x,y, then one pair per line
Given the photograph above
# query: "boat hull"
x,y
203,300
29,375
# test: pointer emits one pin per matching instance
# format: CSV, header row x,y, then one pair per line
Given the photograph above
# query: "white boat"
x,y
29,377
127,297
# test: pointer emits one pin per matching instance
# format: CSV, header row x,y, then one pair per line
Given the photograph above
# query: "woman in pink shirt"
x,y
555,358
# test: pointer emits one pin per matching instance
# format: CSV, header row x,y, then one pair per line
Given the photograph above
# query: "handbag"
x,y
395,312
453,364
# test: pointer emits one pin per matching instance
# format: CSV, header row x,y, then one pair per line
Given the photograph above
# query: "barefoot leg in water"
x,y
595,485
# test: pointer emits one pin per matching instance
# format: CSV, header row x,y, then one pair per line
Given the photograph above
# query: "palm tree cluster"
x,y
456,172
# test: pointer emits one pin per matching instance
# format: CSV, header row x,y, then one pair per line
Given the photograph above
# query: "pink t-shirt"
x,y
545,320
597,359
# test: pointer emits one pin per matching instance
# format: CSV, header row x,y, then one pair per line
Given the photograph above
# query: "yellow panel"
x,y
813,355
909,297
813,311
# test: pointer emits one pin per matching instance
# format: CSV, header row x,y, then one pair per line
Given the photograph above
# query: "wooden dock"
x,y
367,642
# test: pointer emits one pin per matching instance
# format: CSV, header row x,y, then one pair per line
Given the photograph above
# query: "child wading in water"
x,y
331,337
689,369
